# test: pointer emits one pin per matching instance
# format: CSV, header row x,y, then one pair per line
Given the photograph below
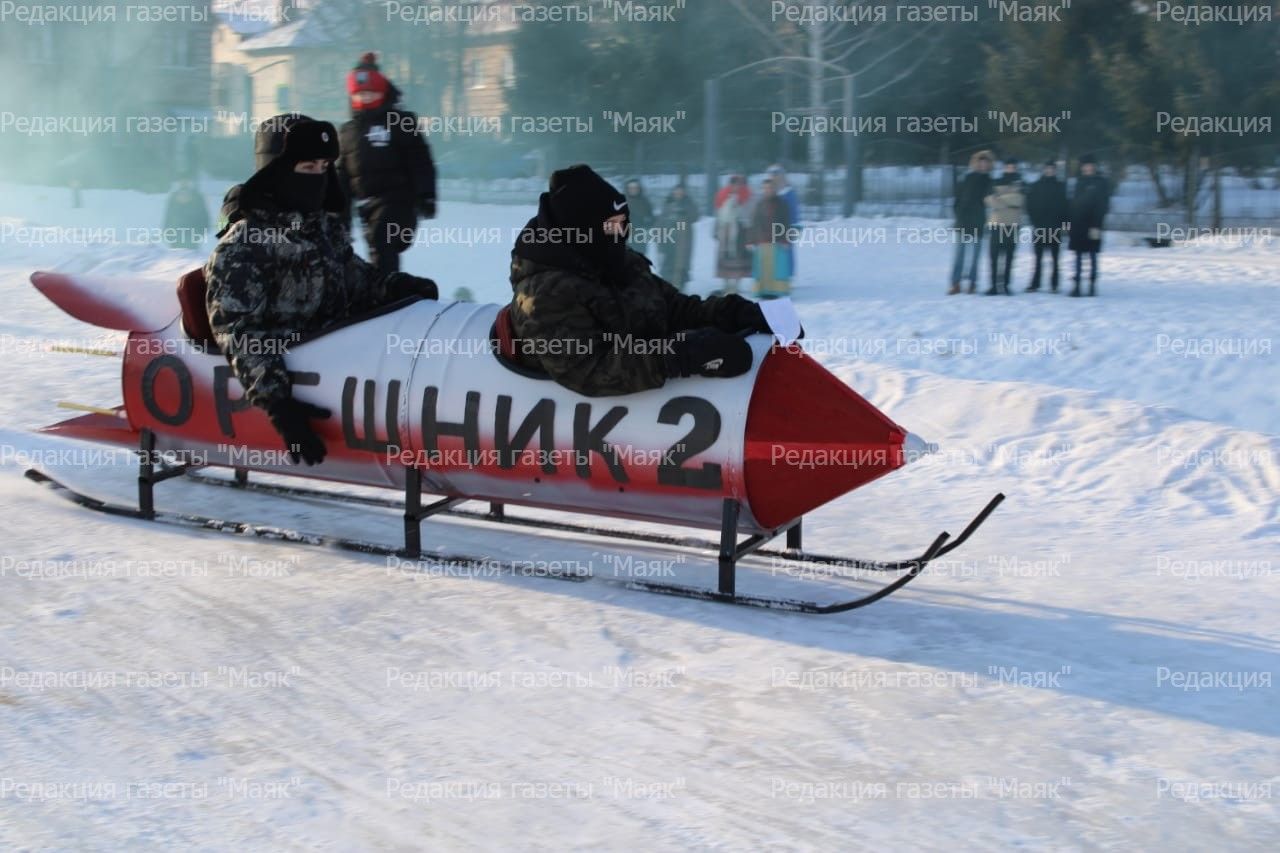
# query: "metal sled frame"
x,y
730,548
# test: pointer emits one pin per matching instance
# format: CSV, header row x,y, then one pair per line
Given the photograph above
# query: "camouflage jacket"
x,y
276,276
599,338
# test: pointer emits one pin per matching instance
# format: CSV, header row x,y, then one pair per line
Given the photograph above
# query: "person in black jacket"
x,y
591,313
1047,207
385,165
971,218
283,268
1089,206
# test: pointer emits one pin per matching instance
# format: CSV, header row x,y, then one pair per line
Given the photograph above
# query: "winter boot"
x,y
1075,287
973,287
955,288
1093,287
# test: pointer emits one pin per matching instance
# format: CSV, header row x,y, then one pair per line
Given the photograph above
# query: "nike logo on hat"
x,y
617,206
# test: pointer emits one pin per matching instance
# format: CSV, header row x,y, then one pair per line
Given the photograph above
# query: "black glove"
x,y
291,418
708,352
750,317
427,207
402,284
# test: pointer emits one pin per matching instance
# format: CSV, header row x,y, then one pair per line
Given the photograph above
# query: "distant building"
x,y
271,56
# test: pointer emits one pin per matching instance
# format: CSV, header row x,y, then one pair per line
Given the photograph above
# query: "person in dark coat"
x,y
770,241
1050,215
971,219
679,215
283,268
186,219
787,192
1005,207
589,311
1089,205
386,165
641,219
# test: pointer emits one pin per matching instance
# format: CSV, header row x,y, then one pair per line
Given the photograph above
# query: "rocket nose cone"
x,y
916,448
810,438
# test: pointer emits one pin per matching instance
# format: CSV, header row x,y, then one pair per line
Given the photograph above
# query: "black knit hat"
x,y
310,140
268,141
1089,158
579,196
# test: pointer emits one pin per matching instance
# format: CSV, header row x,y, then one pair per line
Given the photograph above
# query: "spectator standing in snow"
x,y
791,199
733,261
385,165
679,214
1049,213
770,224
641,217
971,216
1089,205
186,219
1004,221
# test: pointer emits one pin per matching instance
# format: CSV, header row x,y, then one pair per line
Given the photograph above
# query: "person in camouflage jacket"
x,y
592,314
285,268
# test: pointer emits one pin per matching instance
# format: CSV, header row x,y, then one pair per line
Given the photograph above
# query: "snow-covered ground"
x,y
1095,668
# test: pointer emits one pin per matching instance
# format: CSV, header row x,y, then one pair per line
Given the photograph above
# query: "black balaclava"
x,y
580,199
304,140
304,193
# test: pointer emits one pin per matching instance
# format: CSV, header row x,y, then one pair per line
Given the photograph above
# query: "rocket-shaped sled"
x,y
424,385
423,400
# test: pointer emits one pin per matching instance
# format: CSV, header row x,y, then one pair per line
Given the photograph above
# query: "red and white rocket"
x,y
423,385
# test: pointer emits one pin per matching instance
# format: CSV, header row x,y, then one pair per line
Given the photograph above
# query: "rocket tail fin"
x,y
112,303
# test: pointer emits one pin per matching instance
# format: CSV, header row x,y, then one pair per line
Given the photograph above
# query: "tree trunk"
x,y
1162,195
816,37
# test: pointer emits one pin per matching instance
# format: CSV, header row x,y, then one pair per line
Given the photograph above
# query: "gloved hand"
x,y
427,207
751,317
291,418
402,284
708,352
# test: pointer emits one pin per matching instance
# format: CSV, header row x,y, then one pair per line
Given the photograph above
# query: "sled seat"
x,y
506,346
195,316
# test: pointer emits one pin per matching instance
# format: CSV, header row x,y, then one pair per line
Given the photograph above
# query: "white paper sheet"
x,y
781,316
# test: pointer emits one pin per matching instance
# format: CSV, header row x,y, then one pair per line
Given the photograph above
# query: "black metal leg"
x,y
728,547
242,476
497,511
793,536
413,512
146,474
